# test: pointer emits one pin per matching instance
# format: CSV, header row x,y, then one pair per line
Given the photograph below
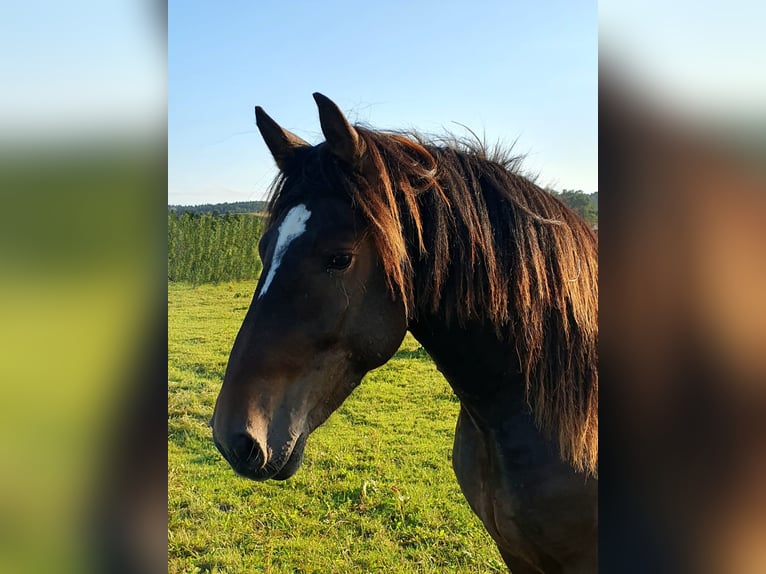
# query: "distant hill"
x,y
220,208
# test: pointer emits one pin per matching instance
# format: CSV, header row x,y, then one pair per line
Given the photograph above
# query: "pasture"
x,y
376,491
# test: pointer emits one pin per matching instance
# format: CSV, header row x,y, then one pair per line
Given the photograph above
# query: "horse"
x,y
374,233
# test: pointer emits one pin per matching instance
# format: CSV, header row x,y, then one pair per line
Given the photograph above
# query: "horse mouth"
x,y
280,468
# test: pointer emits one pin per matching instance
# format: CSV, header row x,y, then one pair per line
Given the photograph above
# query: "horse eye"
x,y
339,261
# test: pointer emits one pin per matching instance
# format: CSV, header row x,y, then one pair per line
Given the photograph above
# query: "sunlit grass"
x,y
376,491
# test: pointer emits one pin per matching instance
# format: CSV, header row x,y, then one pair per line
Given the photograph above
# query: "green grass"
x,y
376,492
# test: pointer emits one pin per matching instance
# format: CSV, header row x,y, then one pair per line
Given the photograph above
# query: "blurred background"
x,y
82,286
83,184
682,156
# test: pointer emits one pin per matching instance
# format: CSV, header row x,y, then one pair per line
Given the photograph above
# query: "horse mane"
x,y
490,246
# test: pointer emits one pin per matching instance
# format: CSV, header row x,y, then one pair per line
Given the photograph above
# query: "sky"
x,y
704,60
513,71
81,69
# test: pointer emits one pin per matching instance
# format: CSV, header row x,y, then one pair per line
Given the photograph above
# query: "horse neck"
x,y
481,368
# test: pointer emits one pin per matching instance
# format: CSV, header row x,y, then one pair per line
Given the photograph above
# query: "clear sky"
x,y
81,68
512,70
705,60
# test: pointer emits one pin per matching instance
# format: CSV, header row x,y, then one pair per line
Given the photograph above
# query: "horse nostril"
x,y
246,450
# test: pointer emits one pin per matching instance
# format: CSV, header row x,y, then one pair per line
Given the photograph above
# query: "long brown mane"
x,y
461,233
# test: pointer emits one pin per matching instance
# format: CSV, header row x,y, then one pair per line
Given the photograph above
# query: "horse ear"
x,y
281,143
343,139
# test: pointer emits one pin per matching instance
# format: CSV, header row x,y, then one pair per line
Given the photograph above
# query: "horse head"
x,y
323,313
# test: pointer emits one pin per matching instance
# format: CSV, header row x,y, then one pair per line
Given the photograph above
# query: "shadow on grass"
x,y
210,371
419,353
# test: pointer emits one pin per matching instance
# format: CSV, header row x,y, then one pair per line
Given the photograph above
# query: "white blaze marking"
x,y
292,227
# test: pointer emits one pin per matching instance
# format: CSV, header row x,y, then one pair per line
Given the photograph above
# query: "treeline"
x,y
220,208
585,204
210,249
205,247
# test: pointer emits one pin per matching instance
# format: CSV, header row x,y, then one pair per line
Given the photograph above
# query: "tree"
x,y
209,249
583,204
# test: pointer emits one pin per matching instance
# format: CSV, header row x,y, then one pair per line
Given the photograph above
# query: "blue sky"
x,y
79,69
701,60
512,70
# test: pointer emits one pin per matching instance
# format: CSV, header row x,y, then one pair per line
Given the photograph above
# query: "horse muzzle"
x,y
251,460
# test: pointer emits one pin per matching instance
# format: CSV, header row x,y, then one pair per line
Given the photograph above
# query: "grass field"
x,y
376,491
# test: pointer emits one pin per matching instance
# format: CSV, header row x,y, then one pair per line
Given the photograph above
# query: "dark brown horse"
x,y
371,234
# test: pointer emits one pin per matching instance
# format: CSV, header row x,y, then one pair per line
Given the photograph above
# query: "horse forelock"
x,y
462,234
